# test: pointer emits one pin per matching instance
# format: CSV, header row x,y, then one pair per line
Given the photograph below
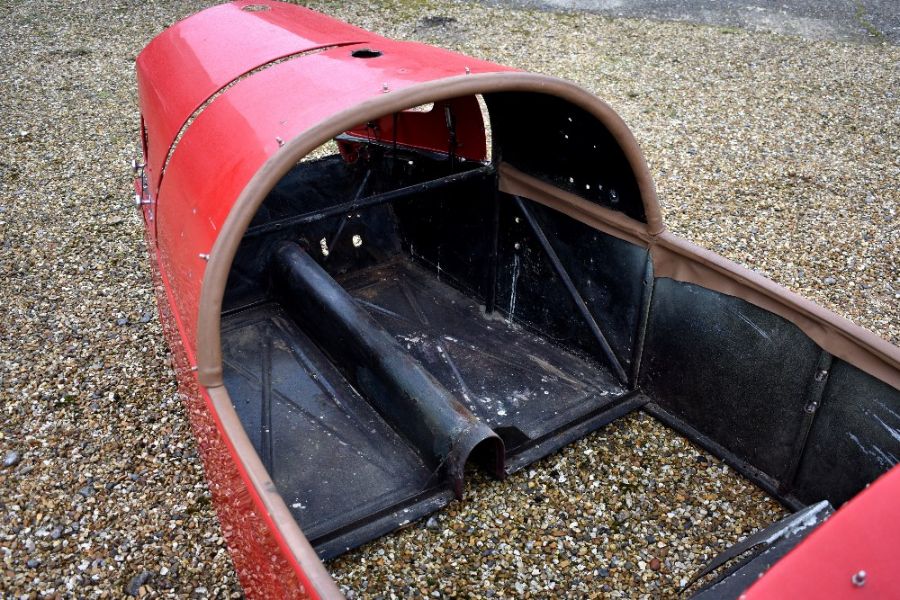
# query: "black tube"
x,y
394,383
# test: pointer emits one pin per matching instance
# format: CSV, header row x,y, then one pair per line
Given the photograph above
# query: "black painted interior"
x,y
368,297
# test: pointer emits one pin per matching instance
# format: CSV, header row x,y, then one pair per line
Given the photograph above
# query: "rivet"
x,y
468,71
280,141
384,88
204,256
859,578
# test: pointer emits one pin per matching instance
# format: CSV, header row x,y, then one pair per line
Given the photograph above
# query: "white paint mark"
x,y
885,459
758,329
323,244
512,293
887,408
809,520
357,241
894,433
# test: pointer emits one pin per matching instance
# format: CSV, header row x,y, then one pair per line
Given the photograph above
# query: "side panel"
x,y
856,433
799,422
734,372
264,568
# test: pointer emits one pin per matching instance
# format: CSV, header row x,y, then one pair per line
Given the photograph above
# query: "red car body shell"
x,y
212,117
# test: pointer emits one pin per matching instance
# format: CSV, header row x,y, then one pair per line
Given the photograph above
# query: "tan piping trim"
x,y
517,183
209,350
678,259
300,547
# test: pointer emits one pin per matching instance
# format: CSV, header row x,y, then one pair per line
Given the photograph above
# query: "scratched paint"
x,y
515,280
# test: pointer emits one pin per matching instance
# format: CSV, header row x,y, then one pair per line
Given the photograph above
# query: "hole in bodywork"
x,y
365,53
255,7
422,108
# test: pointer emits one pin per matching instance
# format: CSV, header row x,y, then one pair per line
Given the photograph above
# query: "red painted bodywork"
x,y
228,142
205,56
861,536
235,135
263,563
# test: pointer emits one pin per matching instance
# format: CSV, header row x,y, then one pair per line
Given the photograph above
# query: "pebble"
x,y
11,459
134,585
84,393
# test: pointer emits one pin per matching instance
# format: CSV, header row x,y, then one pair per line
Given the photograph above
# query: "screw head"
x,y
859,578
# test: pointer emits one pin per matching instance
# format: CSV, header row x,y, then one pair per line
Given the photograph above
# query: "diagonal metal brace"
x,y
573,292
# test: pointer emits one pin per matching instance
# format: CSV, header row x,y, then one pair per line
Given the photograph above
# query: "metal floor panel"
x,y
521,385
332,457
347,475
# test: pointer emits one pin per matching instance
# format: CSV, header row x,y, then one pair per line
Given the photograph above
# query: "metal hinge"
x,y
140,198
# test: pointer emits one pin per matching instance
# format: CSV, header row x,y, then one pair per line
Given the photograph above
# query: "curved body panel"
x,y
195,58
235,97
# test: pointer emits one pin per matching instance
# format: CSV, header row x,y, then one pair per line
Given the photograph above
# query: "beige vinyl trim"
x,y
209,349
681,260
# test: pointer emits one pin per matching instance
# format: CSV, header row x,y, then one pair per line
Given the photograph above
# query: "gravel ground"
x,y
779,153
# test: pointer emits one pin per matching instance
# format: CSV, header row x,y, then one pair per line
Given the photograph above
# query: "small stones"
x,y
33,563
135,583
795,196
829,280
11,459
618,534
432,523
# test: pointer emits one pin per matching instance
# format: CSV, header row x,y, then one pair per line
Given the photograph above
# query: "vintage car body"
x,y
348,332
